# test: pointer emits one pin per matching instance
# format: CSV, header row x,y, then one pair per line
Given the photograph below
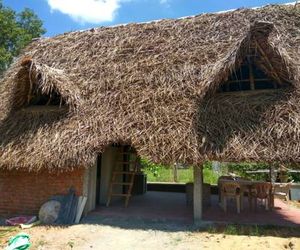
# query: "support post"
x,y
251,77
198,191
175,173
89,188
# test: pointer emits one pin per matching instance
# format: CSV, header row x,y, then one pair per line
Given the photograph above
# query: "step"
x,y
121,183
126,162
124,172
128,153
125,195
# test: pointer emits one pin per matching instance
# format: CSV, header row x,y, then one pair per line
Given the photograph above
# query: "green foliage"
x,y
16,31
162,173
151,168
254,230
241,168
209,176
185,175
294,176
231,230
71,244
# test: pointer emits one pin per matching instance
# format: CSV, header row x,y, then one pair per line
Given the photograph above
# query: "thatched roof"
x,y
153,86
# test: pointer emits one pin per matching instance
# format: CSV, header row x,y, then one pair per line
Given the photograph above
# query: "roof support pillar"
x,y
198,190
89,187
251,77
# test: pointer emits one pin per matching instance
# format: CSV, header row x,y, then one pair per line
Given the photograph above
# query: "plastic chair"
x,y
220,184
282,190
231,190
262,191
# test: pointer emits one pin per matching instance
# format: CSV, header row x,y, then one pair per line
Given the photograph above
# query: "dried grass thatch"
x,y
153,86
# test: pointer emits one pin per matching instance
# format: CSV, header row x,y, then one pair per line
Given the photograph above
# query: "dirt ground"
x,y
107,234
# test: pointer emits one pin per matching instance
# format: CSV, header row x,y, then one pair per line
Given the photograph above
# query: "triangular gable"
x,y
39,84
266,62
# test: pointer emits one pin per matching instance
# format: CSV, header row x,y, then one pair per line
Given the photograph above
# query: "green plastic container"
x,y
19,242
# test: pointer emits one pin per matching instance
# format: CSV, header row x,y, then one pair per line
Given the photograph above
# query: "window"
x,y
37,98
250,76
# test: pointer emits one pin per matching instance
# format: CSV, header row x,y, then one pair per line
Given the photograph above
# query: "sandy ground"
x,y
142,235
295,204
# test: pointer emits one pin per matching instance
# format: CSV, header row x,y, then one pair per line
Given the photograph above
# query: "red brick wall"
x,y
23,193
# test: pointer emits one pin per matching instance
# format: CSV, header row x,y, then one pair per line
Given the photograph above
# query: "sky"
x,y
60,16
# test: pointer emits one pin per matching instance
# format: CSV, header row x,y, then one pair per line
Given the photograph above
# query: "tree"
x,y
16,31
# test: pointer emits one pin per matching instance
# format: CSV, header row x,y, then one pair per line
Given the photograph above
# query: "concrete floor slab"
x,y
165,206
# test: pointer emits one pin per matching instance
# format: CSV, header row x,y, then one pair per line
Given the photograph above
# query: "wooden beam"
x,y
227,86
41,108
197,193
265,171
251,92
175,173
251,76
265,57
30,85
49,100
248,80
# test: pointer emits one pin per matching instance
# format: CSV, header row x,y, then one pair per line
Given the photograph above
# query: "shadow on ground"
x,y
208,227
138,223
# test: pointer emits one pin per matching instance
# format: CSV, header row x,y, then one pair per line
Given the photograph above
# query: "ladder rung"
x,y
126,162
120,195
121,183
123,172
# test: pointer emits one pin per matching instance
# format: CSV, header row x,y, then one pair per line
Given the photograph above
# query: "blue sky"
x,y
61,16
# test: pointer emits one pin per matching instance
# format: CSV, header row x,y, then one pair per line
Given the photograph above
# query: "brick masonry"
x,y
23,193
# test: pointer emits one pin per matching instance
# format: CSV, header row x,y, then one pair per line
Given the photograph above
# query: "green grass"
x,y
4,231
209,176
184,175
254,230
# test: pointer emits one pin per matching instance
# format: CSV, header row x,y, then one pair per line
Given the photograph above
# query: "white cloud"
x,y
165,2
90,11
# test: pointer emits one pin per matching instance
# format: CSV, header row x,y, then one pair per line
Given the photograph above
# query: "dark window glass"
x,y
40,99
239,80
264,85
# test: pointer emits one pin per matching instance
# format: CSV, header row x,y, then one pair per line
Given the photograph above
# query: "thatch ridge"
x,y
147,85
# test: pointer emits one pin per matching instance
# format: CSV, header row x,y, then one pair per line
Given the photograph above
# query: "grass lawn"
x,y
184,175
6,233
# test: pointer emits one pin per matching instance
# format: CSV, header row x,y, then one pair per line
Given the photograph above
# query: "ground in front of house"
x,y
113,233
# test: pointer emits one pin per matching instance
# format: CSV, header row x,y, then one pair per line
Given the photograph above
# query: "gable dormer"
x,y
36,97
256,72
254,65
39,86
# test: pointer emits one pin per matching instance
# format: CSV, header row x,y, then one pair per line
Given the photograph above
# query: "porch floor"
x,y
162,206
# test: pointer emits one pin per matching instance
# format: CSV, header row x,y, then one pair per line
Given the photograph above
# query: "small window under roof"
x,y
251,76
38,98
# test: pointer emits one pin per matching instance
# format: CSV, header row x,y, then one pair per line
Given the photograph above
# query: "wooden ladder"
x,y
129,184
